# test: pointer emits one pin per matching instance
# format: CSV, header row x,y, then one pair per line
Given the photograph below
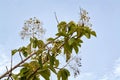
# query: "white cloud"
x,y
117,68
111,75
105,78
114,74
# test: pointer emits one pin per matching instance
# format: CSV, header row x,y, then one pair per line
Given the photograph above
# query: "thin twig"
x,y
7,68
11,64
20,56
9,74
69,62
56,17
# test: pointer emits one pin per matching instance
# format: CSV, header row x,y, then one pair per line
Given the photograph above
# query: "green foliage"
x,y
63,74
14,51
67,39
43,56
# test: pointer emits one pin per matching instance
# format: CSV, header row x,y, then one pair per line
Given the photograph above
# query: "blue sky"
x,y
100,56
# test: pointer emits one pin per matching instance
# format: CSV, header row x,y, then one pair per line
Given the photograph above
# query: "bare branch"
x,y
56,17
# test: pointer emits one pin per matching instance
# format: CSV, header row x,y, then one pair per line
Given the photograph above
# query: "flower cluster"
x,y
32,28
75,65
84,18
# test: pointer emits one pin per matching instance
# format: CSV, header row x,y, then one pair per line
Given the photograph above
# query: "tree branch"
x,y
16,66
22,61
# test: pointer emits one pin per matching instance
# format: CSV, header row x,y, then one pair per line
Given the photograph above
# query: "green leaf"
x,y
67,51
76,48
33,65
52,59
24,51
35,44
39,51
25,64
87,35
50,39
68,56
56,63
40,62
31,40
15,77
45,74
23,72
14,51
79,40
67,48
71,41
40,44
52,69
59,74
25,54
93,33
63,74
67,72
71,27
62,26
28,50
62,34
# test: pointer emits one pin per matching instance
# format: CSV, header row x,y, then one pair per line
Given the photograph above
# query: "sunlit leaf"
x,y
40,62
34,65
87,35
24,51
52,59
25,64
62,34
68,56
50,39
93,33
67,48
76,48
35,43
28,50
71,27
45,74
59,74
14,51
40,44
63,74
62,26
23,72
52,69
71,41
56,63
